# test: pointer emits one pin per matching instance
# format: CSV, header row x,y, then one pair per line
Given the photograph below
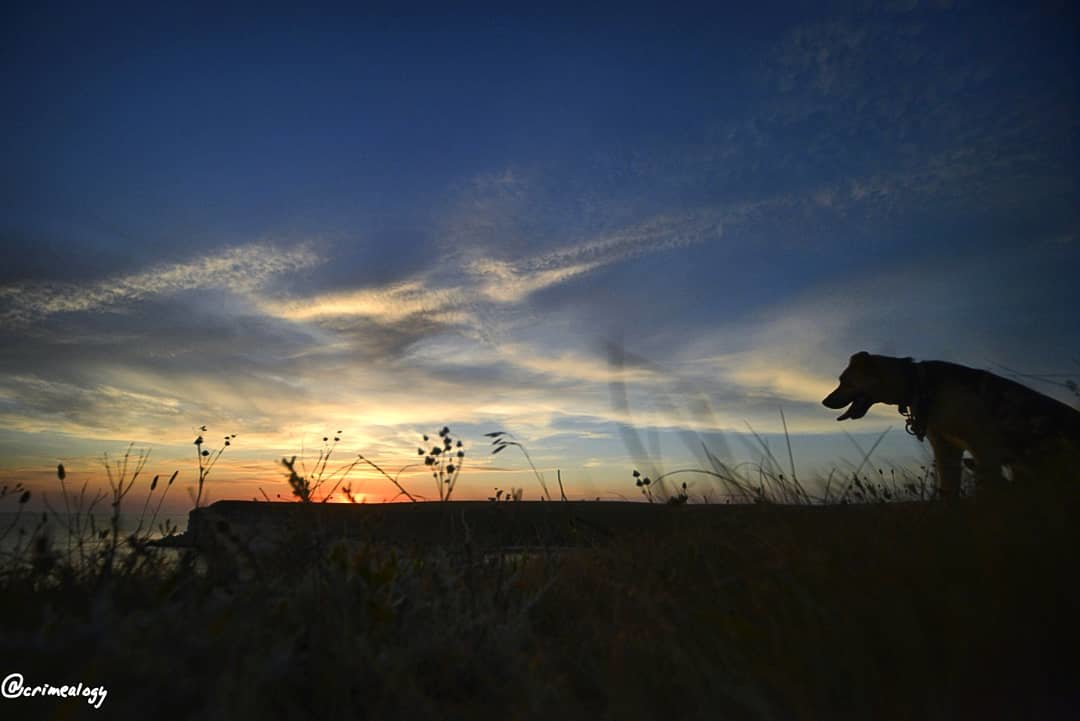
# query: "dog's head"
x,y
859,385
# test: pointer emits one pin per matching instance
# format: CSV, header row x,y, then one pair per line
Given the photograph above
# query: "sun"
x,y
340,497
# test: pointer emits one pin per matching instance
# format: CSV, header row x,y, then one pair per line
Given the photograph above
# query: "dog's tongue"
x,y
857,409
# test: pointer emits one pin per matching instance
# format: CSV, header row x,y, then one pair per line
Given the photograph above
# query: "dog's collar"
x,y
916,399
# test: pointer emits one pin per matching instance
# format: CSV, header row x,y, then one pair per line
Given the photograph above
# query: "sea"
x,y
16,529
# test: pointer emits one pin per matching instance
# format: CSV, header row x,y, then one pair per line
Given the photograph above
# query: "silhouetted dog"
x,y
998,421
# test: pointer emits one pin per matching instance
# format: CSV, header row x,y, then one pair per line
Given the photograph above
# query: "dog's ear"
x,y
860,357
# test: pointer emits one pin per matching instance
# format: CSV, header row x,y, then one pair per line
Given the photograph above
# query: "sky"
x,y
619,234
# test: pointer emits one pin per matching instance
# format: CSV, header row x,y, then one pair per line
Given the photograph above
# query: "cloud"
x,y
574,367
32,403
507,282
388,304
241,269
512,281
160,371
452,295
924,109
929,308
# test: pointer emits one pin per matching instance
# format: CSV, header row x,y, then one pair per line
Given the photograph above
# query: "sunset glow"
x,y
574,230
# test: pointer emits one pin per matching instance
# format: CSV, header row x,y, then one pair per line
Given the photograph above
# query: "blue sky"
x,y
289,223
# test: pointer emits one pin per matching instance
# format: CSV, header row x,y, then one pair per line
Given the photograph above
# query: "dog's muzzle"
x,y
857,404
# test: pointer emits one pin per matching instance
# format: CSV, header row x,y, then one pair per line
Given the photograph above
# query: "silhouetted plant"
x,y
77,520
644,484
502,440
122,476
348,491
305,485
300,486
207,458
444,458
680,497
89,552
19,492
395,479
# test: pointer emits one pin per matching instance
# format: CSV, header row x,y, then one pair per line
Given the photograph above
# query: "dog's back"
x,y
1024,418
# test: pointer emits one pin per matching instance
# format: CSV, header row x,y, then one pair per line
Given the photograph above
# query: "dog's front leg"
x,y
988,469
947,464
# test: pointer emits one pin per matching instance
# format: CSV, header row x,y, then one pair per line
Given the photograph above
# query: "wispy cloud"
x,y
505,281
574,367
452,294
241,269
387,304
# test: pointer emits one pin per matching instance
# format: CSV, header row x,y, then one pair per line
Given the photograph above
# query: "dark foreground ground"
x,y
613,611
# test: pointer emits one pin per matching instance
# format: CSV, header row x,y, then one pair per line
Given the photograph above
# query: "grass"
x,y
859,610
